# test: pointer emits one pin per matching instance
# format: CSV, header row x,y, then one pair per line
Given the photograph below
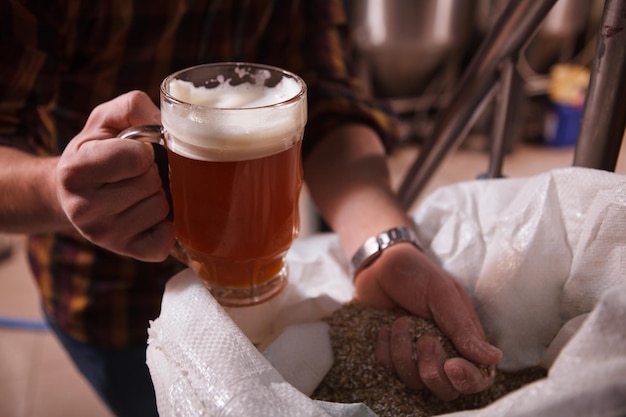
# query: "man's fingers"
x,y
128,192
110,160
110,188
382,349
153,245
134,108
422,363
469,306
466,377
85,204
402,354
143,215
463,328
431,358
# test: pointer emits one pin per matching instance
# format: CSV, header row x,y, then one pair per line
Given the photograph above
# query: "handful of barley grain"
x,y
356,376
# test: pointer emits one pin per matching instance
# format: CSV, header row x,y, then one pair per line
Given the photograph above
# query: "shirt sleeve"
x,y
336,94
27,80
318,47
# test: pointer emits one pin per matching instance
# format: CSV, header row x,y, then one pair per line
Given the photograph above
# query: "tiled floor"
x,y
36,377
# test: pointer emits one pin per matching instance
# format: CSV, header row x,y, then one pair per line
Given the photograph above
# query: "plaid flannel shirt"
x,y
60,59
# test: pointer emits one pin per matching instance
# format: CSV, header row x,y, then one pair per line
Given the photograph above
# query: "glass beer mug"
x,y
233,134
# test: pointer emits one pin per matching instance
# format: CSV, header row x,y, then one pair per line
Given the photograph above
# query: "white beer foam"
x,y
238,124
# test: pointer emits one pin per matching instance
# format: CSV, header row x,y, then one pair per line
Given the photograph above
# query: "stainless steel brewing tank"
x,y
559,35
402,44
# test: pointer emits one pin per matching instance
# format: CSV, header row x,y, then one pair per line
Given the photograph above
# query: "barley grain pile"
x,y
356,377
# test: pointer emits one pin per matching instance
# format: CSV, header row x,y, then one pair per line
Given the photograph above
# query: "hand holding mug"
x,y
110,189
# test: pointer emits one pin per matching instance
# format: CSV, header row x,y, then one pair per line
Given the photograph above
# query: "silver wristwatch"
x,y
375,245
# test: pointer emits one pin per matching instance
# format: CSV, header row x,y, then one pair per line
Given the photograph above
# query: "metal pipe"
x,y
517,22
604,116
501,121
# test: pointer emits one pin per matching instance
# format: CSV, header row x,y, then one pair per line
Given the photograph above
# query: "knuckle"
x,y
154,178
78,210
97,110
163,208
158,211
131,156
68,174
153,244
400,328
431,375
135,100
97,234
135,97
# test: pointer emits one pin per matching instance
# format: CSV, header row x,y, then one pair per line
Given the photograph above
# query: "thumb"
x,y
468,337
463,327
134,108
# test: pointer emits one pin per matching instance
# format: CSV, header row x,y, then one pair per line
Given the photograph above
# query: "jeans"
x,y
119,376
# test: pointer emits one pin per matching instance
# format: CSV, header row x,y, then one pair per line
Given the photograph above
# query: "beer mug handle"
x,y
145,133
155,134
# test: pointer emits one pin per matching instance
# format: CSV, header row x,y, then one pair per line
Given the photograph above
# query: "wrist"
x,y
30,204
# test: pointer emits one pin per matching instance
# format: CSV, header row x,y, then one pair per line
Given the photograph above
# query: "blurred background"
x,y
414,52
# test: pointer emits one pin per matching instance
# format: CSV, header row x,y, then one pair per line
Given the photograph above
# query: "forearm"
x,y
348,178
28,201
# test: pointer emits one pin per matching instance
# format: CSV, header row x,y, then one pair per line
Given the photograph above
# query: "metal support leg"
x,y
501,121
514,27
604,116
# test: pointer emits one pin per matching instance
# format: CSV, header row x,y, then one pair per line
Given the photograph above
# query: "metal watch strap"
x,y
375,245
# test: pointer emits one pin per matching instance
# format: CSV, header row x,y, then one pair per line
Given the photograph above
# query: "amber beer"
x,y
234,134
237,218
